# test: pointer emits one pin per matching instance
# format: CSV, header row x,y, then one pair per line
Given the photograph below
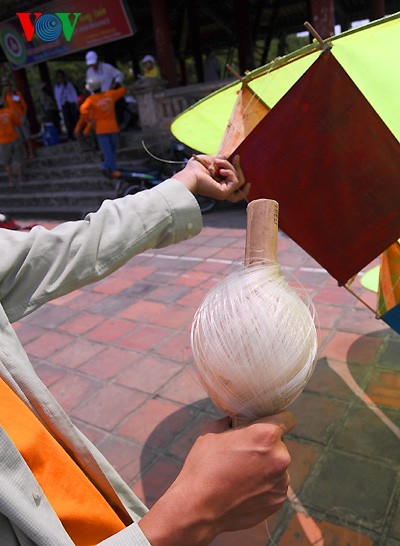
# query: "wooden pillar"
x,y
270,29
184,72
323,17
244,35
44,73
22,84
376,9
162,36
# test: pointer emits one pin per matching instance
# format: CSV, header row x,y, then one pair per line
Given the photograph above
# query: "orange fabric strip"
x,y
389,279
83,511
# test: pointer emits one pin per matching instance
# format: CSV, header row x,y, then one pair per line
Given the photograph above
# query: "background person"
x,y
150,68
66,99
15,101
99,107
109,76
57,488
10,142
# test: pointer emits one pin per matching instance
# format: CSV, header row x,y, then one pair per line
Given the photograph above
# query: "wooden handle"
x,y
262,232
261,246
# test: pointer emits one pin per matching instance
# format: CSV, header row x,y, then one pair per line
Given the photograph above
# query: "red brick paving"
x,y
115,354
328,535
110,330
148,375
76,353
47,344
110,362
81,324
144,338
384,389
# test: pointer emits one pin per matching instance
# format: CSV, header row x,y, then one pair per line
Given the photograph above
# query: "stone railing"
x,y
159,106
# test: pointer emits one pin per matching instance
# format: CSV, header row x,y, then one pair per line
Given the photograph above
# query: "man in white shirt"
x,y
107,73
66,98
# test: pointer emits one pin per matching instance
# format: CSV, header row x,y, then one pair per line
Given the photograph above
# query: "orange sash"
x,y
83,511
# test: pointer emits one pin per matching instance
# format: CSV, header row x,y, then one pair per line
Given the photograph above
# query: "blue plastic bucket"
x,y
50,135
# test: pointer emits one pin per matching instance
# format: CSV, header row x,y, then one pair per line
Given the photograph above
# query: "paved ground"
x,y
116,356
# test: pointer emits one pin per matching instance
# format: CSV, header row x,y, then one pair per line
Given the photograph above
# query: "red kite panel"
x,y
325,155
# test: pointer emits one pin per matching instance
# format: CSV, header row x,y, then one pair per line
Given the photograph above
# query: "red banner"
x,y
55,34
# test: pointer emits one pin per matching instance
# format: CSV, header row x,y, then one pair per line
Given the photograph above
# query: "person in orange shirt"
x,y
15,101
10,141
100,107
84,133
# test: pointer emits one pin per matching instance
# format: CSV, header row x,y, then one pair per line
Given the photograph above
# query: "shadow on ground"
x,y
225,215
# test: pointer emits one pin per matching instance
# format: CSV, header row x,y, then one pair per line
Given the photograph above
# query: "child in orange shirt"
x,y
100,107
10,141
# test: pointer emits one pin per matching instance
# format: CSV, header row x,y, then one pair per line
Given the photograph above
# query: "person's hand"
x,y
198,176
232,479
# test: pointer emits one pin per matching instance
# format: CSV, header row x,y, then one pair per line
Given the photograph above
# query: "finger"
x,y
245,189
284,420
223,164
238,168
240,194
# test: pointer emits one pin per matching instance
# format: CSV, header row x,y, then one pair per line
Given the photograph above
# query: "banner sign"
x,y
62,27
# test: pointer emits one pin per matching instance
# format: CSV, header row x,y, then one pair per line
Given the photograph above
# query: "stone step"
x,y
64,181
59,196
57,204
154,140
31,187
49,212
53,171
81,156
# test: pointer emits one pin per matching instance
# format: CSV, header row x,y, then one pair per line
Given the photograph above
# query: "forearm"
x,y
45,264
174,521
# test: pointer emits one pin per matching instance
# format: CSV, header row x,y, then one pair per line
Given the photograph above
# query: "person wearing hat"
x,y
10,141
109,76
14,100
150,68
99,109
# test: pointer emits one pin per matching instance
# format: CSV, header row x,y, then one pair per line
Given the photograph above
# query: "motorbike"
x,y
131,182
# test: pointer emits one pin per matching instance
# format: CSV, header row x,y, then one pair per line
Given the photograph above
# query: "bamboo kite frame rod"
x,y
244,84
375,312
290,57
315,35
